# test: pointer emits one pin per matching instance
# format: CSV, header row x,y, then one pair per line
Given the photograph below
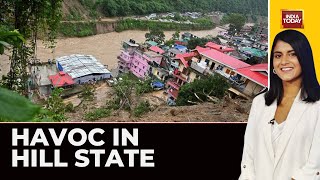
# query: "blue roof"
x,y
179,47
157,84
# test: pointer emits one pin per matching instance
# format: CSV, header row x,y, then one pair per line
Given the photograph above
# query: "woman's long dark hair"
x,y
310,86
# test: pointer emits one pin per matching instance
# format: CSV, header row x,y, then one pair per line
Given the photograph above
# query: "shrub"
x,y
97,114
142,108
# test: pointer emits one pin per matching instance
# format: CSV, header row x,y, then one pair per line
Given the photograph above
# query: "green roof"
x,y
152,43
255,52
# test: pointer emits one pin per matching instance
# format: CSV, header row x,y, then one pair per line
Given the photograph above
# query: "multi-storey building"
x,y
126,56
134,60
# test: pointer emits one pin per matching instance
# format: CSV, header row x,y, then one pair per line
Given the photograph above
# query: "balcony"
x,y
127,60
181,76
172,92
198,68
122,63
222,73
173,84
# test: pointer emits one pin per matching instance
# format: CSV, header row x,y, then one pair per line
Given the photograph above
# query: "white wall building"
x,y
83,68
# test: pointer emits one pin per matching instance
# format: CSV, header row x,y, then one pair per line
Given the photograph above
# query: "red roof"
x,y
185,55
224,59
260,67
218,47
180,42
157,49
61,79
254,76
201,49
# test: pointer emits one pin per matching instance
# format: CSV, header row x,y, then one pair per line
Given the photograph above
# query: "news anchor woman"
x,y
282,139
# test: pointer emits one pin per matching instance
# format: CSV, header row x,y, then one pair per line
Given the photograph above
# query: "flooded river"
x,y
105,47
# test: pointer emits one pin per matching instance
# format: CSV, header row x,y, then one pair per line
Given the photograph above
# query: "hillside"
x,y
86,9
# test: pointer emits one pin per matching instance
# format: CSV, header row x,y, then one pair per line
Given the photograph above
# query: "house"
x,y
61,79
151,43
140,62
139,65
251,80
126,56
248,79
157,49
198,68
180,74
161,71
172,52
221,63
181,48
82,68
253,52
182,42
218,47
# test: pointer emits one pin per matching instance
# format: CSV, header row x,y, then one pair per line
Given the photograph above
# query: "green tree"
x,y
14,107
210,88
156,35
110,7
194,42
236,21
143,7
10,39
55,106
176,35
30,18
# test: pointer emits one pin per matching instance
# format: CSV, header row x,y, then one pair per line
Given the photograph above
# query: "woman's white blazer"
x,y
298,152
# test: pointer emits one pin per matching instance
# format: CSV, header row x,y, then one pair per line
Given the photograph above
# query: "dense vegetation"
x,y
30,18
206,89
77,29
236,21
200,24
141,7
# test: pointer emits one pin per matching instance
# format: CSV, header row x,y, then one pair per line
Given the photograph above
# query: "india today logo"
x,y
292,19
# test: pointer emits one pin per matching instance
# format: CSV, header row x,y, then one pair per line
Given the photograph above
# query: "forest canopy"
x,y
141,7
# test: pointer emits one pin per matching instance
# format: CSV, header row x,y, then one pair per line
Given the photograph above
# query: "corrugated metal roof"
x,y
77,65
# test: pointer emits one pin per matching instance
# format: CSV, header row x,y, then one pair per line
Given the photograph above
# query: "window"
x,y
212,66
207,61
219,68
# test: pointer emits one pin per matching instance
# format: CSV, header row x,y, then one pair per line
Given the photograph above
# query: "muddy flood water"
x,y
105,47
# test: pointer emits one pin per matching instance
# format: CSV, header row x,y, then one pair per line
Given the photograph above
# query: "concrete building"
x,y
127,55
82,68
251,80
